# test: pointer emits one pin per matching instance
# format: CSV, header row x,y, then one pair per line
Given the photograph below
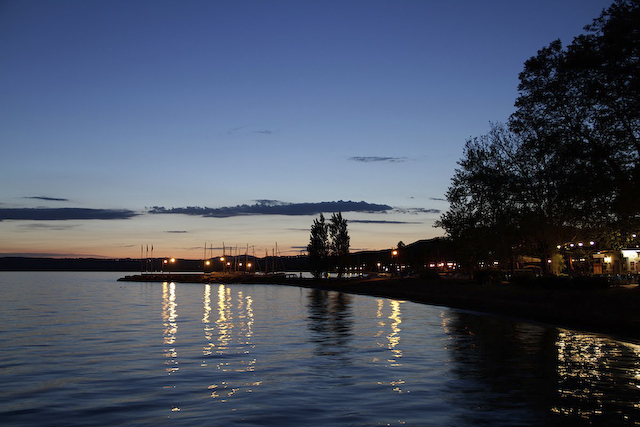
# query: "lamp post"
x,y
394,256
167,263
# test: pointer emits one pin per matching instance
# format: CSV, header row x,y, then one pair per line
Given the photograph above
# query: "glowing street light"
x,y
167,263
394,254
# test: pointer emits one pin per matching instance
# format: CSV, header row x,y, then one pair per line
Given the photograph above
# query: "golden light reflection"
x,y
392,338
234,327
590,368
169,317
225,318
208,330
206,303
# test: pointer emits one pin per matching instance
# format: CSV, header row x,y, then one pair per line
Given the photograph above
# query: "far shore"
x,y
613,311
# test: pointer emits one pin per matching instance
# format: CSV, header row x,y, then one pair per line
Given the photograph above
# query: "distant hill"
x,y
415,254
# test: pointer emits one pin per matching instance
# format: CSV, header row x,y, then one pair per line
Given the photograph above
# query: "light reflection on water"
x,y
591,372
170,323
83,351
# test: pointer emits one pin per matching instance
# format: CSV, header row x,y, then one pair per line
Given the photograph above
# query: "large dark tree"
x,y
569,162
486,199
578,112
318,247
340,241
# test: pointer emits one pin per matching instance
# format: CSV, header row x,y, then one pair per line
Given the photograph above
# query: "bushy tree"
x,y
578,112
568,163
340,241
318,247
486,198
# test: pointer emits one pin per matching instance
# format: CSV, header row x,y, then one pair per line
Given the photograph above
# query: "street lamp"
x,y
222,261
394,254
167,263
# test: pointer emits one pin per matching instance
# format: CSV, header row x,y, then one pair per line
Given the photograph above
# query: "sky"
x,y
190,124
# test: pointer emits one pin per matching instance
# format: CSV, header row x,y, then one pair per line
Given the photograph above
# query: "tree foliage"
x,y
568,161
318,247
340,241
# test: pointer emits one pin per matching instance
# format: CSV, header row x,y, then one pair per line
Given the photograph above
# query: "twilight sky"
x,y
175,123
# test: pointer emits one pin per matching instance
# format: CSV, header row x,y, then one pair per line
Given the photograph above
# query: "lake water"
x,y
83,349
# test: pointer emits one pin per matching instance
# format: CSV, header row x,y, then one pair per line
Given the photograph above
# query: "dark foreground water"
x,y
82,349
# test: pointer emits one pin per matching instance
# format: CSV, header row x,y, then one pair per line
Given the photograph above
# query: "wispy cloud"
x,y
49,255
374,159
235,130
416,210
246,129
61,214
438,199
46,226
275,207
372,221
49,199
176,231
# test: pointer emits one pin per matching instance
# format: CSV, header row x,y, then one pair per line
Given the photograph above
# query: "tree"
x,y
318,247
339,241
486,197
578,112
568,162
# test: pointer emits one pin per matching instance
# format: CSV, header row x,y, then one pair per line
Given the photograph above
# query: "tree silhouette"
x,y
318,247
339,241
568,163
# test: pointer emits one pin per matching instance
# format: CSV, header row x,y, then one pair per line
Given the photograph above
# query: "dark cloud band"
x,y
61,214
48,199
274,207
371,221
372,159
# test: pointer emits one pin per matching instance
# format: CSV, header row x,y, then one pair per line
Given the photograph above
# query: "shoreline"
x,y
613,311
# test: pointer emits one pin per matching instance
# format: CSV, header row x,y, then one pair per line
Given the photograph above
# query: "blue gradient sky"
x,y
126,105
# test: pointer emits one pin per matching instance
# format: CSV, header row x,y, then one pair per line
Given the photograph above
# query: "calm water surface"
x,y
83,349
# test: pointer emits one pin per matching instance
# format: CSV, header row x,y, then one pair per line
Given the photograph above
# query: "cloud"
x,y
275,207
49,199
371,221
416,210
236,129
46,226
374,159
438,199
62,214
247,129
176,231
48,255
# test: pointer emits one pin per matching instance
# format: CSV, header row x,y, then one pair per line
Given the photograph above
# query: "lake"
x,y
81,349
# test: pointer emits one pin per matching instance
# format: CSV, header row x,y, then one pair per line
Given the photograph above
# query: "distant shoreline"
x,y
612,311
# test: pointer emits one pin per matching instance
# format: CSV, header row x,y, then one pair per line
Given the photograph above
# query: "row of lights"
x,y
573,245
228,264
